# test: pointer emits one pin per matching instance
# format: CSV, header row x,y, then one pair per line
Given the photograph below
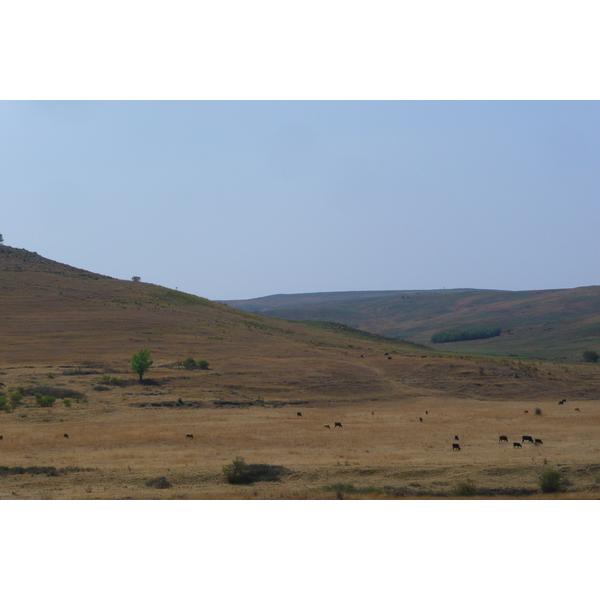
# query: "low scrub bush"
x,y
465,488
240,473
551,481
45,401
190,364
160,483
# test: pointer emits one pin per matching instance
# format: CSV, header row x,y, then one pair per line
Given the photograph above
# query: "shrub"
x,y
45,401
591,356
190,363
67,402
465,488
550,481
538,411
160,483
240,473
15,398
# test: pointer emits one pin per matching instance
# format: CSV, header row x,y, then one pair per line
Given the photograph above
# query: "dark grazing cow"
x,y
389,358
517,445
66,435
337,425
455,447
562,401
527,438
538,442
426,412
456,438
1,437
525,411
189,435
503,438
299,414
577,410
421,419
327,426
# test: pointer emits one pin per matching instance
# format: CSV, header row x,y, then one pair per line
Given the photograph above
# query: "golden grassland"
x,y
383,449
68,329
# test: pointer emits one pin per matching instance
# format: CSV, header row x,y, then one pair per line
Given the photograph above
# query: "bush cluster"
x,y
240,473
461,334
190,364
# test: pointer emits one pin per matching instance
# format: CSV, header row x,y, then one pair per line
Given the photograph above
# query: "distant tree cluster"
x,y
1,239
461,334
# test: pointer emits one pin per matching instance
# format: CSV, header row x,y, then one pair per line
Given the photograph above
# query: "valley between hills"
x,y
273,392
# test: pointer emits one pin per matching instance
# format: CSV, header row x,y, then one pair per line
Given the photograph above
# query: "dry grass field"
x,y
400,406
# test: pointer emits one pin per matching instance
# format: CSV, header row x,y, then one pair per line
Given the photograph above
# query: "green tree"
x,y
1,239
590,356
141,362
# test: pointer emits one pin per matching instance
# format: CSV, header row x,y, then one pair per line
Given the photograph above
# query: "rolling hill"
x,y
273,393
547,324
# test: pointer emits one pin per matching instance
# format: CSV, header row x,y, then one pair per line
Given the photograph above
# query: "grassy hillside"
x,y
549,324
70,334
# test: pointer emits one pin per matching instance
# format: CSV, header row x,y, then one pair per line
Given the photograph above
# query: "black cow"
x,y
421,419
455,447
456,438
299,414
66,435
327,426
538,442
517,445
389,358
1,437
426,412
527,438
189,435
337,425
562,401
503,438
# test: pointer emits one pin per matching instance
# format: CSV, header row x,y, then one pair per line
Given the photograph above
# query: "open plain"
x,y
70,334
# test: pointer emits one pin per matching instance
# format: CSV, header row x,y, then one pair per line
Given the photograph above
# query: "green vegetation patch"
x,y
461,334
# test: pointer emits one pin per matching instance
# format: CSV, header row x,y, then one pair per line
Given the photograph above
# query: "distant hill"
x,y
548,324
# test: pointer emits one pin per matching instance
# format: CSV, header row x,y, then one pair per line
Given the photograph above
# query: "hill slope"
x,y
548,324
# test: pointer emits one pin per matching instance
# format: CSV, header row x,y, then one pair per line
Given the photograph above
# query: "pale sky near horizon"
x,y
240,199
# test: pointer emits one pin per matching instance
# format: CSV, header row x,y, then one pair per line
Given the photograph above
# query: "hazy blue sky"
x,y
240,199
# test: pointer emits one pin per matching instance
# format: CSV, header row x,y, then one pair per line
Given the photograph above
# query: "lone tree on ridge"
x,y
141,362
